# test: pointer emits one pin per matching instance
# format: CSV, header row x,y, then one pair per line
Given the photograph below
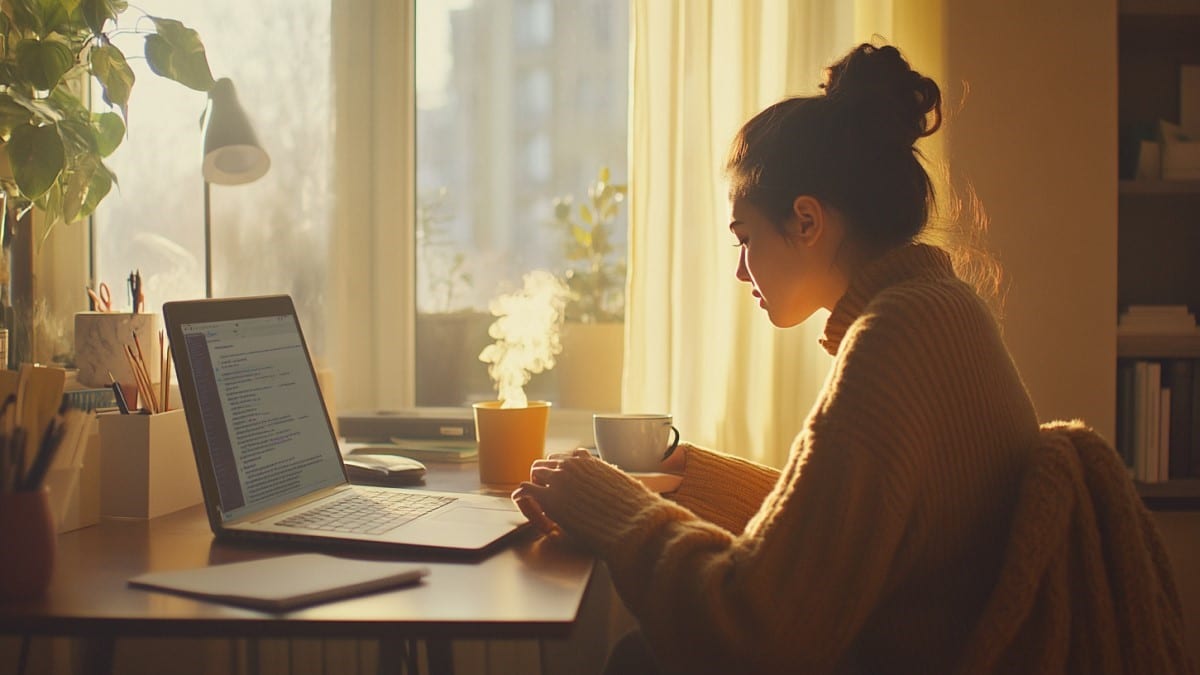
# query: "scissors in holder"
x,y
101,299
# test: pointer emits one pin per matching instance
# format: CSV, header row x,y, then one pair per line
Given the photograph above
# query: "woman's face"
x,y
791,272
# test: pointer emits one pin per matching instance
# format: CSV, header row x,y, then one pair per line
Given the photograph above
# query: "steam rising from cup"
x,y
526,334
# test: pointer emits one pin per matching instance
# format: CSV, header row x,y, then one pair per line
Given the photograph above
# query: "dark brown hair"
x,y
851,147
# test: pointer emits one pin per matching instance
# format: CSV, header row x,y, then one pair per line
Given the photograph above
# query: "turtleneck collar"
x,y
903,263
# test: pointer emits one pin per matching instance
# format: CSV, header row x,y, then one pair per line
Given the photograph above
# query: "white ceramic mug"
x,y
634,441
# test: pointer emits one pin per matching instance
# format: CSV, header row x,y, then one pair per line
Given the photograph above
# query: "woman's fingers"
x,y
540,475
533,511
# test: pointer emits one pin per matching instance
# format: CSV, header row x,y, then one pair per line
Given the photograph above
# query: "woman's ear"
x,y
807,222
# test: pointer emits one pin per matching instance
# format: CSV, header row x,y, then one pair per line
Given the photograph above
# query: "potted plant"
x,y
53,142
589,368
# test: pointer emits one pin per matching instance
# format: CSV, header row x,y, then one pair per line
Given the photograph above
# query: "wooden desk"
x,y
527,589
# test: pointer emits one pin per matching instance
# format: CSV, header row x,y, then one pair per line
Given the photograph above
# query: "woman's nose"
x,y
743,274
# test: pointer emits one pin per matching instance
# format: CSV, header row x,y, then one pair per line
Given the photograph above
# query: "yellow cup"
x,y
510,439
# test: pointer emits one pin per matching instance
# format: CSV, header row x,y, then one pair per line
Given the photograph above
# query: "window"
x,y
519,103
270,236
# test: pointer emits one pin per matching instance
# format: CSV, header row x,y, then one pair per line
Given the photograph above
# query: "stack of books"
x,y
1158,399
1157,320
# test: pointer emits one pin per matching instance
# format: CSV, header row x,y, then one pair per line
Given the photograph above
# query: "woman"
x,y
875,547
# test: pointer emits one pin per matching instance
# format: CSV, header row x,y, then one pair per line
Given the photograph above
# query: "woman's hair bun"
x,y
882,91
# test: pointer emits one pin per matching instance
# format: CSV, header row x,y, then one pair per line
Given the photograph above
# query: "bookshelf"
x,y
1158,238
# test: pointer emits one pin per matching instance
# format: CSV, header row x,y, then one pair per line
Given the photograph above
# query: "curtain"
x,y
371,307
697,345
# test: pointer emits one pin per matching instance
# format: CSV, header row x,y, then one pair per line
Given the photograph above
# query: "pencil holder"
x,y
147,467
100,340
27,544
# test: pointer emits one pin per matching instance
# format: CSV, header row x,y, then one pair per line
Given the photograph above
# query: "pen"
x,y
122,404
46,451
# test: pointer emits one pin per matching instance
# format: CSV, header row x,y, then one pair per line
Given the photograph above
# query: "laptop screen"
x,y
265,426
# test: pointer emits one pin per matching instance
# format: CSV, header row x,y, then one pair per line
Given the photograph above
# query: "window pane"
x,y
270,236
520,103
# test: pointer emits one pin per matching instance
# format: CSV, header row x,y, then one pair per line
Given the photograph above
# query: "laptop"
x,y
268,458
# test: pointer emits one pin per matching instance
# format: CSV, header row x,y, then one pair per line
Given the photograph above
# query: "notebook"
x,y
268,459
284,582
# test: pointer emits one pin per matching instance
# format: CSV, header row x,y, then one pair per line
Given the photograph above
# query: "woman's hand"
x,y
676,463
551,482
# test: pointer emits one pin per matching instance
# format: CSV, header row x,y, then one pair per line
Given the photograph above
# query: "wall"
x,y
1036,136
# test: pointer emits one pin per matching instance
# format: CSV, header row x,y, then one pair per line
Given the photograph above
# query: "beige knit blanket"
x,y
1086,585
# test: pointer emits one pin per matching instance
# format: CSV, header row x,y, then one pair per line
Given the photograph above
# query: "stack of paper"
x,y
1157,320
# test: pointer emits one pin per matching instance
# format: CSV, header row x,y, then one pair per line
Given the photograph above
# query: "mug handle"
x,y
674,444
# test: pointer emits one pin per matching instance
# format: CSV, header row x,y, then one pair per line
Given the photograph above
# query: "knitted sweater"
x,y
876,547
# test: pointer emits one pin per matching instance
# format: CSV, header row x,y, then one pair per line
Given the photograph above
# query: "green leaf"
x,y
63,100
43,62
44,110
115,76
29,13
102,182
98,12
582,236
77,189
586,214
562,209
175,52
110,131
38,157
603,174
51,204
79,138
12,115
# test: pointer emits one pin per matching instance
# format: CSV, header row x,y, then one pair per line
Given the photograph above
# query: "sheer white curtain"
x,y
697,345
372,305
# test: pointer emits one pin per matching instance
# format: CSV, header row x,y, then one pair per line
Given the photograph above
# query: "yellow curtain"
x,y
696,343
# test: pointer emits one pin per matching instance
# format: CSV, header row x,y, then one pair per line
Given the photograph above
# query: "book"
x,y
1153,394
284,582
1125,411
1164,433
1141,459
454,424
420,449
1195,431
1179,380
427,450
1157,319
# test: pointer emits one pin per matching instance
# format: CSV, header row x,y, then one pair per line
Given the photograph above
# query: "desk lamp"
x,y
232,155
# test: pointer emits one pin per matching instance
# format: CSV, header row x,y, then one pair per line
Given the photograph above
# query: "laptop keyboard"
x,y
367,512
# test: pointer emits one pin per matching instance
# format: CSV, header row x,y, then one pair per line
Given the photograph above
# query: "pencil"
x,y
167,380
146,374
143,390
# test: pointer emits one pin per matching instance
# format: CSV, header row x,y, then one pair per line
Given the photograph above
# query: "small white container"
x,y
147,467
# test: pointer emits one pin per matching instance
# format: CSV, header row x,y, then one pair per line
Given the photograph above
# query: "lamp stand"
x,y
207,245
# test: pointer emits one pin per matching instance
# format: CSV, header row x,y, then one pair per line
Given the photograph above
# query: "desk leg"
x,y
392,656
441,657
97,655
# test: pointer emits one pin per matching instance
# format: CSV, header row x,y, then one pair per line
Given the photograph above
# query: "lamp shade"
x,y
232,155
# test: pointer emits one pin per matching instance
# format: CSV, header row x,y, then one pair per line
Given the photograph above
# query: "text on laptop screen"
x,y
267,434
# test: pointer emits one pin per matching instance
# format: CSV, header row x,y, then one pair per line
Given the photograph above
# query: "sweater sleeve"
x,y
723,489
790,593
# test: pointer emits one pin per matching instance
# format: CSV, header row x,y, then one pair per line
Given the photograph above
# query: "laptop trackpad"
x,y
485,516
